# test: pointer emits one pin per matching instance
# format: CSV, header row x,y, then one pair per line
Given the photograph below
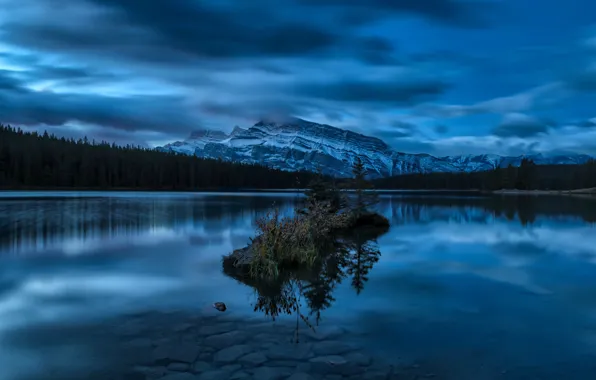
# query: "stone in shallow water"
x,y
324,333
179,376
217,374
358,358
271,373
179,367
224,340
176,352
253,360
183,327
152,373
231,368
231,354
333,347
218,328
299,351
304,367
240,375
377,372
201,366
328,364
284,363
301,376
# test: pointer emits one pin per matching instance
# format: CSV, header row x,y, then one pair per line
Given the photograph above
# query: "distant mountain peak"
x,y
290,143
237,130
207,133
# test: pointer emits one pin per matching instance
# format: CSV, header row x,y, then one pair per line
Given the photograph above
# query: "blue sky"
x,y
434,76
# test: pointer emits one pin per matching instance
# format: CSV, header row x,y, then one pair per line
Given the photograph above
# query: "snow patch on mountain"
x,y
295,144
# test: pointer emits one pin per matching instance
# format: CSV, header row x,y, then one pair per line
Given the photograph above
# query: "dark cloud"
x,y
452,12
397,92
184,31
521,126
400,129
22,106
9,82
583,80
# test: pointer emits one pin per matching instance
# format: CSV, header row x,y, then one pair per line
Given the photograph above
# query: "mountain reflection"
x,y
308,292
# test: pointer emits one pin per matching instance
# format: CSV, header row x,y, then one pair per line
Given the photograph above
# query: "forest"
x,y
528,176
29,160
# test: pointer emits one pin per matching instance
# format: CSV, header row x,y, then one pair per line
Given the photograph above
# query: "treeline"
x,y
528,176
29,160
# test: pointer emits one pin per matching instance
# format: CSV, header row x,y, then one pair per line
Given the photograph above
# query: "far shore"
x,y
589,191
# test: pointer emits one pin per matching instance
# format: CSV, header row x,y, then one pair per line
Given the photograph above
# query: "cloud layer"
x,y
458,75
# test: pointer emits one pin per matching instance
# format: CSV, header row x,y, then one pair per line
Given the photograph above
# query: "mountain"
x,y
296,144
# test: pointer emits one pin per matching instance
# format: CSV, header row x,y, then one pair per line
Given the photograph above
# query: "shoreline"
x,y
589,191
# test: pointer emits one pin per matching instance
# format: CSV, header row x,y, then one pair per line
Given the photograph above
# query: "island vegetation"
x,y
330,212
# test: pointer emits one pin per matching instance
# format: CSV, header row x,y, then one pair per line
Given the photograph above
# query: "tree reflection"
x,y
307,292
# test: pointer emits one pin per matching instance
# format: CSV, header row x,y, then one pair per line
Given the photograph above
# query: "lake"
x,y
121,286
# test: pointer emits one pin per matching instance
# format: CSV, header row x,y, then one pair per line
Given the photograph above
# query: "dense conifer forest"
x,y
44,161
527,176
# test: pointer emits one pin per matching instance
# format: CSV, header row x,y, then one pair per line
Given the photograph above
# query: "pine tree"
x,y
365,197
323,191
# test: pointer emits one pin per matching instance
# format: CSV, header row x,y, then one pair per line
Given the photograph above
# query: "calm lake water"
x,y
120,286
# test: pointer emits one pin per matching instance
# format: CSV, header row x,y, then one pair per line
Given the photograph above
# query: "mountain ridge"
x,y
295,144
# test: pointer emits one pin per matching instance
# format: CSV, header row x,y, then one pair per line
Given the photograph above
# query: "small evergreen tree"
x,y
365,197
322,191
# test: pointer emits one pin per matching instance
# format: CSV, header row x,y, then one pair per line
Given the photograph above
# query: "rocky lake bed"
x,y
175,346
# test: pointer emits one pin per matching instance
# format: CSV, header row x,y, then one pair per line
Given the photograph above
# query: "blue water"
x,y
465,287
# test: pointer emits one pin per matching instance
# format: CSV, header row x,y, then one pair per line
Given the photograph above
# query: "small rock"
x,y
301,376
179,376
358,359
176,352
253,360
324,333
179,367
226,339
290,352
271,373
153,372
284,363
239,375
231,368
327,364
213,375
377,372
220,306
304,367
217,329
333,347
231,354
183,327
201,366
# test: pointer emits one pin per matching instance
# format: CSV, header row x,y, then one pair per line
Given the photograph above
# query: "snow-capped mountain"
x,y
297,144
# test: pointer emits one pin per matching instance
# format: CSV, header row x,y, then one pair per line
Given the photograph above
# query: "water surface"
x,y
97,284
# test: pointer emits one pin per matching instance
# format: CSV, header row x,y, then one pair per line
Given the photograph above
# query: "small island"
x,y
332,210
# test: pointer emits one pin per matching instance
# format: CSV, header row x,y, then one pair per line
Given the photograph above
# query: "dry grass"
x,y
296,240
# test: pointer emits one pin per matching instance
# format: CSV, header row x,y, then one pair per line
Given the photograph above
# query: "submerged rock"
x,y
220,306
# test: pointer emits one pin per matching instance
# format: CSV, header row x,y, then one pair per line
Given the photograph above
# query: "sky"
x,y
426,76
